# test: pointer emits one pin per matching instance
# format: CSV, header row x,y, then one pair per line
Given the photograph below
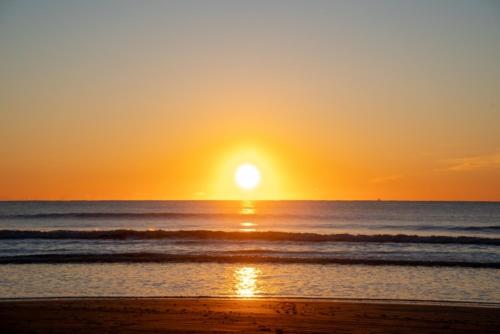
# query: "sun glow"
x,y
247,173
247,176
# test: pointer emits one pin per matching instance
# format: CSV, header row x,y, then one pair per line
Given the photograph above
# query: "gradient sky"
x,y
331,100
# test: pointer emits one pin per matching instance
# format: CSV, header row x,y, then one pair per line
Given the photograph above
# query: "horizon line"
x,y
251,200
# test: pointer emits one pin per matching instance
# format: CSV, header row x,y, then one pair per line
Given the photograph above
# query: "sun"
x,y
247,176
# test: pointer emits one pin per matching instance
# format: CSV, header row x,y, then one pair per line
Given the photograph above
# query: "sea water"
x,y
337,249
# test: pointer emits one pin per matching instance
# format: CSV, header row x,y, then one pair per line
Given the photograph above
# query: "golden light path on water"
x,y
246,282
247,208
248,227
247,211
246,277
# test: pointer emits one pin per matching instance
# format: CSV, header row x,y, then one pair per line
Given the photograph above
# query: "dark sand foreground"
x,y
210,315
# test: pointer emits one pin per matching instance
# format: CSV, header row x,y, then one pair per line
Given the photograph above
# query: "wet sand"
x,y
213,315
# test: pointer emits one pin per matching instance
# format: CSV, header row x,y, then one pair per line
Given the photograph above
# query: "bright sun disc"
x,y
247,176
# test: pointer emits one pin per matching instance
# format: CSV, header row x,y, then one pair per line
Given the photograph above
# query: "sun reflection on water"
x,y
248,227
247,208
246,281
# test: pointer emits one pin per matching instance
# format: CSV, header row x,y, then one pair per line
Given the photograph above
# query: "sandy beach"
x,y
213,315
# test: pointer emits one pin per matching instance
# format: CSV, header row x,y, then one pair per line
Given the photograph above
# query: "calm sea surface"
x,y
344,249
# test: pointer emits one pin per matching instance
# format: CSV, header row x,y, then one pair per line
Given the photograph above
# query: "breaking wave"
x,y
238,216
208,235
125,215
248,259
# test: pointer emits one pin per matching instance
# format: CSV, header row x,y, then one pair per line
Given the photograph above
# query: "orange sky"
x,y
329,100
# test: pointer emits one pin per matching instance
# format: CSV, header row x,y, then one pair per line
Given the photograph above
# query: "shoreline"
x,y
237,315
422,302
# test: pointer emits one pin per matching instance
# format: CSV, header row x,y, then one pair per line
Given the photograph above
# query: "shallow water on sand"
x,y
262,280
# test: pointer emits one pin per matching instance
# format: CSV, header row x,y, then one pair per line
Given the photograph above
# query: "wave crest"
x,y
264,236
188,258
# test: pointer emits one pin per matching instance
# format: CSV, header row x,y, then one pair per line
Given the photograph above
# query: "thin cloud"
x,y
480,162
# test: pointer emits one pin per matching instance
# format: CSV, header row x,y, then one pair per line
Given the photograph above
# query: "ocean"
x,y
435,251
